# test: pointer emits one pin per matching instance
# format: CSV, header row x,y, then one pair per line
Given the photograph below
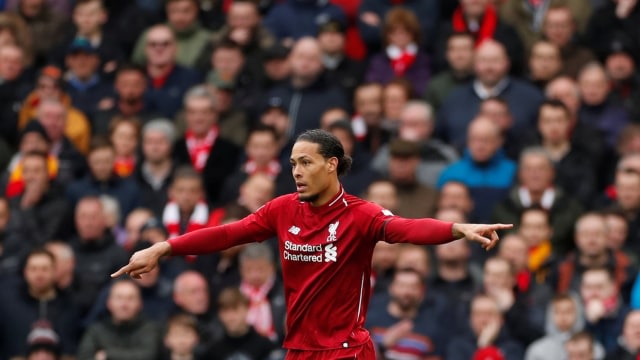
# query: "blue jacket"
x,y
306,105
298,18
167,100
462,105
125,190
489,183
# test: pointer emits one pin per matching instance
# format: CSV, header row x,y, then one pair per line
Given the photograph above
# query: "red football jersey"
x,y
326,260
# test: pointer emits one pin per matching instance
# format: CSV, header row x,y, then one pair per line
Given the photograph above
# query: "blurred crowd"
x,y
126,123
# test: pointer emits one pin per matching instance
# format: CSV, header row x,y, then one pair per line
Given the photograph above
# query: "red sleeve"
x,y
417,231
255,227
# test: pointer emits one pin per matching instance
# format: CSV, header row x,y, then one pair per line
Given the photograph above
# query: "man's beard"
x,y
309,198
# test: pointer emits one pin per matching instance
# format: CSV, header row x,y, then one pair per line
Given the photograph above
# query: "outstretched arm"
x,y
198,242
432,231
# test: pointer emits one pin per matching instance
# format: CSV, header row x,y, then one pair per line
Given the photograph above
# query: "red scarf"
x,y
124,166
171,218
199,149
402,59
523,280
259,308
487,27
272,169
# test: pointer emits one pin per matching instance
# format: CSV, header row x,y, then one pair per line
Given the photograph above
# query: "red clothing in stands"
x,y
326,260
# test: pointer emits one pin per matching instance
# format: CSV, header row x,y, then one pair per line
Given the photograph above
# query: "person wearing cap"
x,y
276,66
414,199
83,82
49,88
275,113
89,18
621,65
341,70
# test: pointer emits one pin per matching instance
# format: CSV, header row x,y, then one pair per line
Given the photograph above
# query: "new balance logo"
x,y
330,253
294,230
333,229
386,212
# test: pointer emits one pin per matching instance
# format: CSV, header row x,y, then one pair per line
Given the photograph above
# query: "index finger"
x,y
123,270
495,227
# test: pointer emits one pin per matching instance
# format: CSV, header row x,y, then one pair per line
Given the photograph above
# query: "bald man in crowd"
x,y
308,94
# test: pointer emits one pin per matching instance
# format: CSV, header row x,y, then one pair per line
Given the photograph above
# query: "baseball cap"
x,y
36,127
404,149
275,102
81,45
330,25
43,337
276,51
153,223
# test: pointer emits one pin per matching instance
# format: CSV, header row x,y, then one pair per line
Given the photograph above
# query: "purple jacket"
x,y
418,73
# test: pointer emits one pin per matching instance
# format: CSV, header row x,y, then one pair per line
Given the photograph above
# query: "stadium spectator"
x,y
125,333
181,338
395,96
545,62
629,344
14,87
536,188
401,56
459,55
404,320
417,124
102,180
491,65
293,20
483,155
497,110
621,69
370,127
612,20
45,25
124,134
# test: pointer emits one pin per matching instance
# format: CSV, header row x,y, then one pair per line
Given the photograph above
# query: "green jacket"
x,y
191,44
563,214
139,339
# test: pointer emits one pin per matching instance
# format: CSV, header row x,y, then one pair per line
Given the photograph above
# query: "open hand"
x,y
486,235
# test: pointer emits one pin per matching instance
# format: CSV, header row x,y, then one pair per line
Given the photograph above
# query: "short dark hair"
x,y
555,104
128,67
186,172
262,128
232,298
36,252
582,335
329,146
100,142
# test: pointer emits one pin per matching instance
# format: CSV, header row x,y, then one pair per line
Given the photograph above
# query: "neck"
x,y
328,194
455,271
594,260
158,70
43,295
91,35
175,356
396,311
129,108
557,149
159,168
238,332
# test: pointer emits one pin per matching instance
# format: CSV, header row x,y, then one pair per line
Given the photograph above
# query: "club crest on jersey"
x,y
333,229
294,230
